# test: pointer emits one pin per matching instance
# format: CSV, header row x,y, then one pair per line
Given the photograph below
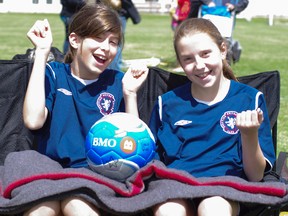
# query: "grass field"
x,y
264,47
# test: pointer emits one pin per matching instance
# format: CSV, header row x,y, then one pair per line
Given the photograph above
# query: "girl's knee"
x,y
78,206
177,207
49,208
218,206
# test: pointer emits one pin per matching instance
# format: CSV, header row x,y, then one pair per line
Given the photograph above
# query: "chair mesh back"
x,y
269,84
14,75
158,82
14,78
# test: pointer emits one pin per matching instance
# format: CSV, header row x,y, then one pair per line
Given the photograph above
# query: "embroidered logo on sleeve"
x,y
182,122
105,103
228,122
65,91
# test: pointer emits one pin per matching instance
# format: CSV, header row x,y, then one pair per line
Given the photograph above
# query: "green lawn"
x,y
264,47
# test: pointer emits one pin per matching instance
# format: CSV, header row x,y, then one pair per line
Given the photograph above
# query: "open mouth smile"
x,y
203,75
100,59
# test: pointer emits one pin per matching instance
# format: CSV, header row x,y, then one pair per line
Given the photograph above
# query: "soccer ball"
x,y
118,145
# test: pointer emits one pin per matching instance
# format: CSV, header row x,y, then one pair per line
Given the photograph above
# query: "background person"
x,y
235,5
195,6
126,10
179,12
69,8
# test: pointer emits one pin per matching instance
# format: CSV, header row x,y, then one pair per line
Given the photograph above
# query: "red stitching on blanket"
x,y
136,184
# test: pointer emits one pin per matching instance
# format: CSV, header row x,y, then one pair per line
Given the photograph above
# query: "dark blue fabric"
x,y
203,139
73,109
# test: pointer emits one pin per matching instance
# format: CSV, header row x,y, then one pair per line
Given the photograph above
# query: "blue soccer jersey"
x,y
203,139
73,108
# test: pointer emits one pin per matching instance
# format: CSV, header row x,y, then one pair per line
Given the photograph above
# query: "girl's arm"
x,y
239,7
132,81
254,162
34,110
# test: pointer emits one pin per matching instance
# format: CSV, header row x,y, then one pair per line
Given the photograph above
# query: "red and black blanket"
x,y
27,178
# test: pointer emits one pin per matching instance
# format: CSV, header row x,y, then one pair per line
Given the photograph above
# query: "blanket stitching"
x,y
136,184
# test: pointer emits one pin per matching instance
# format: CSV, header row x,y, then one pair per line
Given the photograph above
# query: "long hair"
x,y
200,25
93,20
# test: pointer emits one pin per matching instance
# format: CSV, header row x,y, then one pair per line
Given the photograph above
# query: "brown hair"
x,y
201,25
93,20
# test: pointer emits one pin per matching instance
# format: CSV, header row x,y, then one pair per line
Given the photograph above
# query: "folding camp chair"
x,y
14,76
220,17
160,81
224,20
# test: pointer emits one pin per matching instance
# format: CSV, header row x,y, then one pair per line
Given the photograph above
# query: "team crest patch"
x,y
228,122
105,103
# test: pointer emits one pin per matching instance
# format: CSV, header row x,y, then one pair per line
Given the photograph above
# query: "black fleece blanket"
x,y
28,178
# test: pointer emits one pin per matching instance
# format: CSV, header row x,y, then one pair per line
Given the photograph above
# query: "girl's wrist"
x,y
42,51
